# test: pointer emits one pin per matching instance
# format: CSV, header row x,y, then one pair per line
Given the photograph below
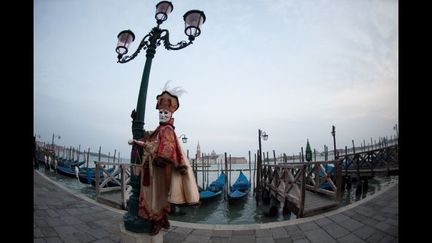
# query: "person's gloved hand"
x,y
182,169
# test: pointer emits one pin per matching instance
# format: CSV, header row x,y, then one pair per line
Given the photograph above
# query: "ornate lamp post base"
x,y
131,237
136,224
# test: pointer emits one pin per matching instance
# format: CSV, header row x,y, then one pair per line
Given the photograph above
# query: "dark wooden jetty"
x,y
380,161
298,186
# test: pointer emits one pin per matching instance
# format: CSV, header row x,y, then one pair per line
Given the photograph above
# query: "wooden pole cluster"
x,y
250,172
226,178
255,166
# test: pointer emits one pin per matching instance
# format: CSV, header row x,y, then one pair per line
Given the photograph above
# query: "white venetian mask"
x,y
164,115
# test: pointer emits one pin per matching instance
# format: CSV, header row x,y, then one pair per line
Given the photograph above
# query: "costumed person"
x,y
166,175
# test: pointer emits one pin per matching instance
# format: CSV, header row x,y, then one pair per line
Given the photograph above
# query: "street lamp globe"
x,y
125,37
193,21
265,136
162,10
184,138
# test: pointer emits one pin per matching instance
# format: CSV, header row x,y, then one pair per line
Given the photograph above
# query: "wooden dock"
x,y
316,203
298,186
381,161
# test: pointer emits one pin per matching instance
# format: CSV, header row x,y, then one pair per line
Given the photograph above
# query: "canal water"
x,y
220,211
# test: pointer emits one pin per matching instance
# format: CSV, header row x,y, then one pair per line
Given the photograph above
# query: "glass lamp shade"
x,y
124,39
184,139
193,21
265,136
162,10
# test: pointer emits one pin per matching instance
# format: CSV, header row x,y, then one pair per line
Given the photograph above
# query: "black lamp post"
x,y
54,136
396,129
258,188
264,136
333,133
184,138
193,21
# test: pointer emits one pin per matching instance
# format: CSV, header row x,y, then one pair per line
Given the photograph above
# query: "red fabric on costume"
x,y
168,148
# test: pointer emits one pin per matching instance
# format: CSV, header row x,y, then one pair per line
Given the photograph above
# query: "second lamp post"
x,y
52,142
259,164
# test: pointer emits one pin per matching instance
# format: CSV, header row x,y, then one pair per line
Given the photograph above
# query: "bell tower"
x,y
198,152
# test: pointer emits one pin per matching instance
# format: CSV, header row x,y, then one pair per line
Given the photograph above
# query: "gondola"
x,y
240,189
67,167
329,170
214,190
208,195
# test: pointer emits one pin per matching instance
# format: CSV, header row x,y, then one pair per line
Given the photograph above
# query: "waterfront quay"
x,y
61,215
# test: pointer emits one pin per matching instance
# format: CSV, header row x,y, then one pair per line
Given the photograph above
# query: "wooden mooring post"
x,y
226,178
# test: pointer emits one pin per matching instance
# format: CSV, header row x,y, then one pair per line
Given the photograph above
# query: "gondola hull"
x,y
206,196
237,196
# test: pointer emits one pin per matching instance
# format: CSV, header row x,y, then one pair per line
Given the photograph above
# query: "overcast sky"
x,y
292,68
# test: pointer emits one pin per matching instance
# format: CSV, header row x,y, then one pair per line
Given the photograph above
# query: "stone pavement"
x,y
61,215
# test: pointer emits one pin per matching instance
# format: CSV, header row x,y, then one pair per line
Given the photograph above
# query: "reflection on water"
x,y
375,184
220,211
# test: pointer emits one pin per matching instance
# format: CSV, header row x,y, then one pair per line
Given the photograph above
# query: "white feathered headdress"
x,y
168,99
176,91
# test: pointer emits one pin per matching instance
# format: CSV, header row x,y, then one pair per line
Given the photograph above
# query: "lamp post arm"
x,y
143,45
167,44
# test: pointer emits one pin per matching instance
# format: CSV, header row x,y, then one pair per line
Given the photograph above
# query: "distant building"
x,y
214,158
198,152
238,160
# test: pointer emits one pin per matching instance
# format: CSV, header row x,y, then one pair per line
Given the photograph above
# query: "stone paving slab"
x,y
61,215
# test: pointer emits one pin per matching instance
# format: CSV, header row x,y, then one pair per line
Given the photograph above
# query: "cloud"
x,y
377,98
